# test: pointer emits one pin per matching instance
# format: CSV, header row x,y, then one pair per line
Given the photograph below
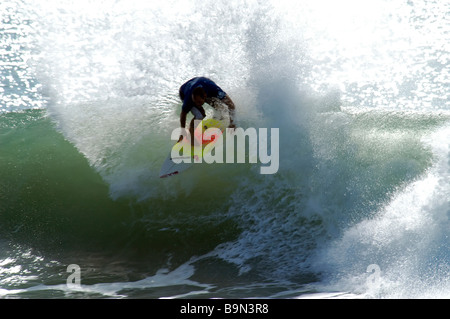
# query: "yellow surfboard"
x,y
192,154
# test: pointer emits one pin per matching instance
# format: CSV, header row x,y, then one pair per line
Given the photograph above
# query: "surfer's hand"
x,y
232,126
180,139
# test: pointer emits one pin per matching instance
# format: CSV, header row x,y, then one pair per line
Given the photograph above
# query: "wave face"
x,y
359,206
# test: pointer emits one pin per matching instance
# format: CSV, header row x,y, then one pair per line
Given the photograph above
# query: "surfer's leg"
x,y
199,114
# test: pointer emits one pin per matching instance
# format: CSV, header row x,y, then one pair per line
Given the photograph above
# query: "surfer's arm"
x,y
231,109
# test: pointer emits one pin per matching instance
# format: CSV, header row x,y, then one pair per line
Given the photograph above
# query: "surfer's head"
x,y
199,96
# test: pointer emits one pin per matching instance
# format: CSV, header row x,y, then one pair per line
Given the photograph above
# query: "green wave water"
x,y
59,209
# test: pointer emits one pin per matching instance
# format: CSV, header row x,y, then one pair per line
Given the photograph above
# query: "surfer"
x,y
198,91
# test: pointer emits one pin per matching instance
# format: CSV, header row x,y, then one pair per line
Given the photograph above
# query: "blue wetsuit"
x,y
211,89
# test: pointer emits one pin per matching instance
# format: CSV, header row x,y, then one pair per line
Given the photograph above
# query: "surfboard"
x,y
177,164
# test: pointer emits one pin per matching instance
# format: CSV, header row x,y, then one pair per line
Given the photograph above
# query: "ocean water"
x,y
359,207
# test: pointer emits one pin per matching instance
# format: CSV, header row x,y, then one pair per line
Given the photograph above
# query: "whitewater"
x,y
358,208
